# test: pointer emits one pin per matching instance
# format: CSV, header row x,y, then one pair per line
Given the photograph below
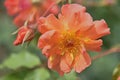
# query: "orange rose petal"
x,y
53,63
81,21
86,22
49,50
46,39
66,62
99,29
64,66
46,49
46,43
69,9
52,60
81,61
94,45
75,18
42,26
52,21
67,15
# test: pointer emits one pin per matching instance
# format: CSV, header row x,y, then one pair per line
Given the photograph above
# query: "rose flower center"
x,y
69,42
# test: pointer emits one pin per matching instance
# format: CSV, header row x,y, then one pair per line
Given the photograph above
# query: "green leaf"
x,y
16,75
69,76
23,59
38,74
1,66
27,74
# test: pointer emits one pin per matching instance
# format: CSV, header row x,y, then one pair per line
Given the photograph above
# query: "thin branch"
x,y
110,51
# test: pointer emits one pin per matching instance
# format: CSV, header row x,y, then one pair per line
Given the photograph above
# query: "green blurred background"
x,y
22,63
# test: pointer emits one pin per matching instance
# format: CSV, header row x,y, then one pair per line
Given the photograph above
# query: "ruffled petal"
x,y
70,12
99,29
49,50
94,45
54,63
82,61
46,39
69,9
48,42
66,62
49,23
81,21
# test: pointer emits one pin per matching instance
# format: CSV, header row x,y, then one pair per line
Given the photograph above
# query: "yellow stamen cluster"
x,y
69,43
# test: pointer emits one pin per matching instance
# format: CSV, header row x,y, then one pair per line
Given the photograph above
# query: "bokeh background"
x,y
27,63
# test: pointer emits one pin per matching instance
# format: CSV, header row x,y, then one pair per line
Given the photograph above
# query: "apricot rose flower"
x,y
29,10
66,39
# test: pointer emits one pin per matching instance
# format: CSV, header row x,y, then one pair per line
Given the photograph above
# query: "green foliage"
x,y
1,66
29,72
69,76
26,66
26,74
16,75
22,59
38,74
